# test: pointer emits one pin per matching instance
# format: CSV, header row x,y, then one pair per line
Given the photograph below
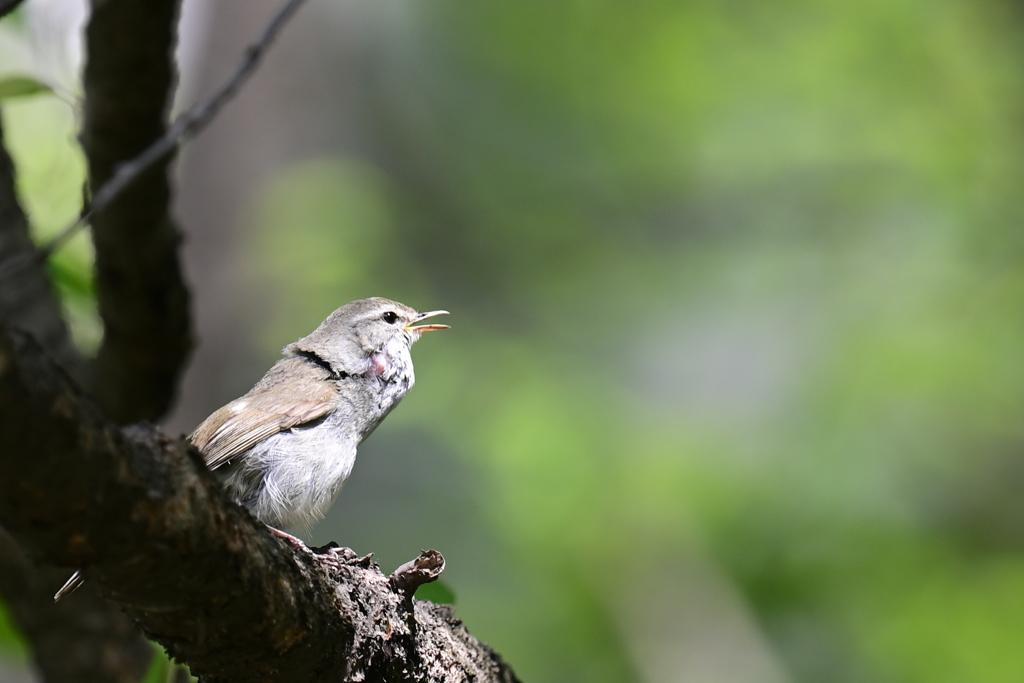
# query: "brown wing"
x,y
292,393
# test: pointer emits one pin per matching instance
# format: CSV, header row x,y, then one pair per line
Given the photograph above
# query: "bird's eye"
x,y
390,317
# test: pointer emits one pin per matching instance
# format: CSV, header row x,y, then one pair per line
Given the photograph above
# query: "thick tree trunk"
x,y
129,79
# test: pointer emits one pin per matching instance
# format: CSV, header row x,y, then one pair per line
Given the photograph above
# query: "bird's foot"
x,y
293,541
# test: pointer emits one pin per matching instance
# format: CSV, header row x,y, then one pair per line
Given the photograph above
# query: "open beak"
x,y
426,328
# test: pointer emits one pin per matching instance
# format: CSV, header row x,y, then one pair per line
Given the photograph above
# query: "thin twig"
x,y
187,125
8,6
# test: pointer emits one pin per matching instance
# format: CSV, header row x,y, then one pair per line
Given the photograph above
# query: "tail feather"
x,y
69,586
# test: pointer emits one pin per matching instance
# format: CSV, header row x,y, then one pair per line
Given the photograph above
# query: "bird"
x,y
284,449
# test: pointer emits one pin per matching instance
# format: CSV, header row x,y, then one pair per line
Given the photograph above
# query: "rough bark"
x,y
142,297
157,536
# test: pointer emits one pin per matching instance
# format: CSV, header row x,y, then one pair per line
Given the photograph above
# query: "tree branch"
x,y
141,294
156,534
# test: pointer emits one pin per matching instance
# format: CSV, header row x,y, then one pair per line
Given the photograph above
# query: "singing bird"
x,y
284,449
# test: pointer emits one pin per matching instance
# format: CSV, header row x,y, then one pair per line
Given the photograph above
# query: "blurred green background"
x,y
734,385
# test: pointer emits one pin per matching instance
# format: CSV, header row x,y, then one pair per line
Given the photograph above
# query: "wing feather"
x,y
292,393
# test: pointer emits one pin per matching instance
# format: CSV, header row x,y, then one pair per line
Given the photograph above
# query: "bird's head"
x,y
366,332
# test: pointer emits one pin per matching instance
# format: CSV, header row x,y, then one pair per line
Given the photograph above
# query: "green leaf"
x,y
12,643
436,591
158,669
162,669
70,277
21,86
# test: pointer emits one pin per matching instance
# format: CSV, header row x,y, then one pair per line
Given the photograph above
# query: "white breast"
x,y
289,480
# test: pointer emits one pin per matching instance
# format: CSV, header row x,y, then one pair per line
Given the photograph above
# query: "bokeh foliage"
x,y
736,353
